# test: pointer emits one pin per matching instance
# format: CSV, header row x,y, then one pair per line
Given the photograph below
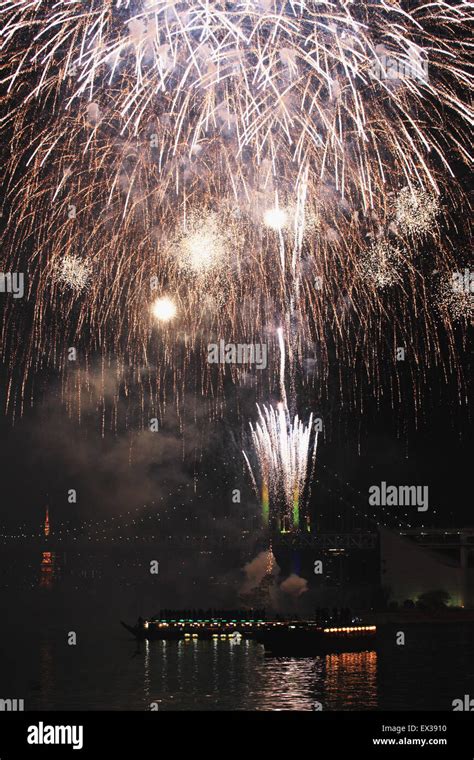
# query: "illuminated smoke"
x,y
294,585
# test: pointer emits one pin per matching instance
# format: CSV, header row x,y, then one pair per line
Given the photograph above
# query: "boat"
x,y
309,639
174,630
284,637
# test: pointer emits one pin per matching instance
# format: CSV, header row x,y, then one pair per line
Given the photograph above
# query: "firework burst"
x,y
124,121
74,272
416,211
455,297
381,264
285,451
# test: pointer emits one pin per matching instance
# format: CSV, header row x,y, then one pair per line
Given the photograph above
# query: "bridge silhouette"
x,y
341,519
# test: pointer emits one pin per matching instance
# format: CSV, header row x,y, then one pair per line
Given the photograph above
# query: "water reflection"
x,y
46,674
354,674
47,569
227,675
233,675
288,684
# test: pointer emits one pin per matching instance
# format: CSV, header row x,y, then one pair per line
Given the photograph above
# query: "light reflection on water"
x,y
219,675
106,670
210,675
114,673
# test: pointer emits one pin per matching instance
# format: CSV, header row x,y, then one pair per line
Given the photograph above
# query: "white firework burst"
x,y
285,451
454,300
416,211
203,247
381,264
73,272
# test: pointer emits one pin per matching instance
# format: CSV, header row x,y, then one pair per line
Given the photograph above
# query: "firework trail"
x,y
247,159
285,452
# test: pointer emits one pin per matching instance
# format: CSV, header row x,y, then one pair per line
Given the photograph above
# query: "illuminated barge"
x,y
307,638
277,636
210,628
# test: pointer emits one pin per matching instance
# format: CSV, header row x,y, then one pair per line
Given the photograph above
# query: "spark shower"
x,y
177,172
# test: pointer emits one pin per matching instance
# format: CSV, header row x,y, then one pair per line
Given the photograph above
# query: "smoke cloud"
x,y
294,585
257,569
